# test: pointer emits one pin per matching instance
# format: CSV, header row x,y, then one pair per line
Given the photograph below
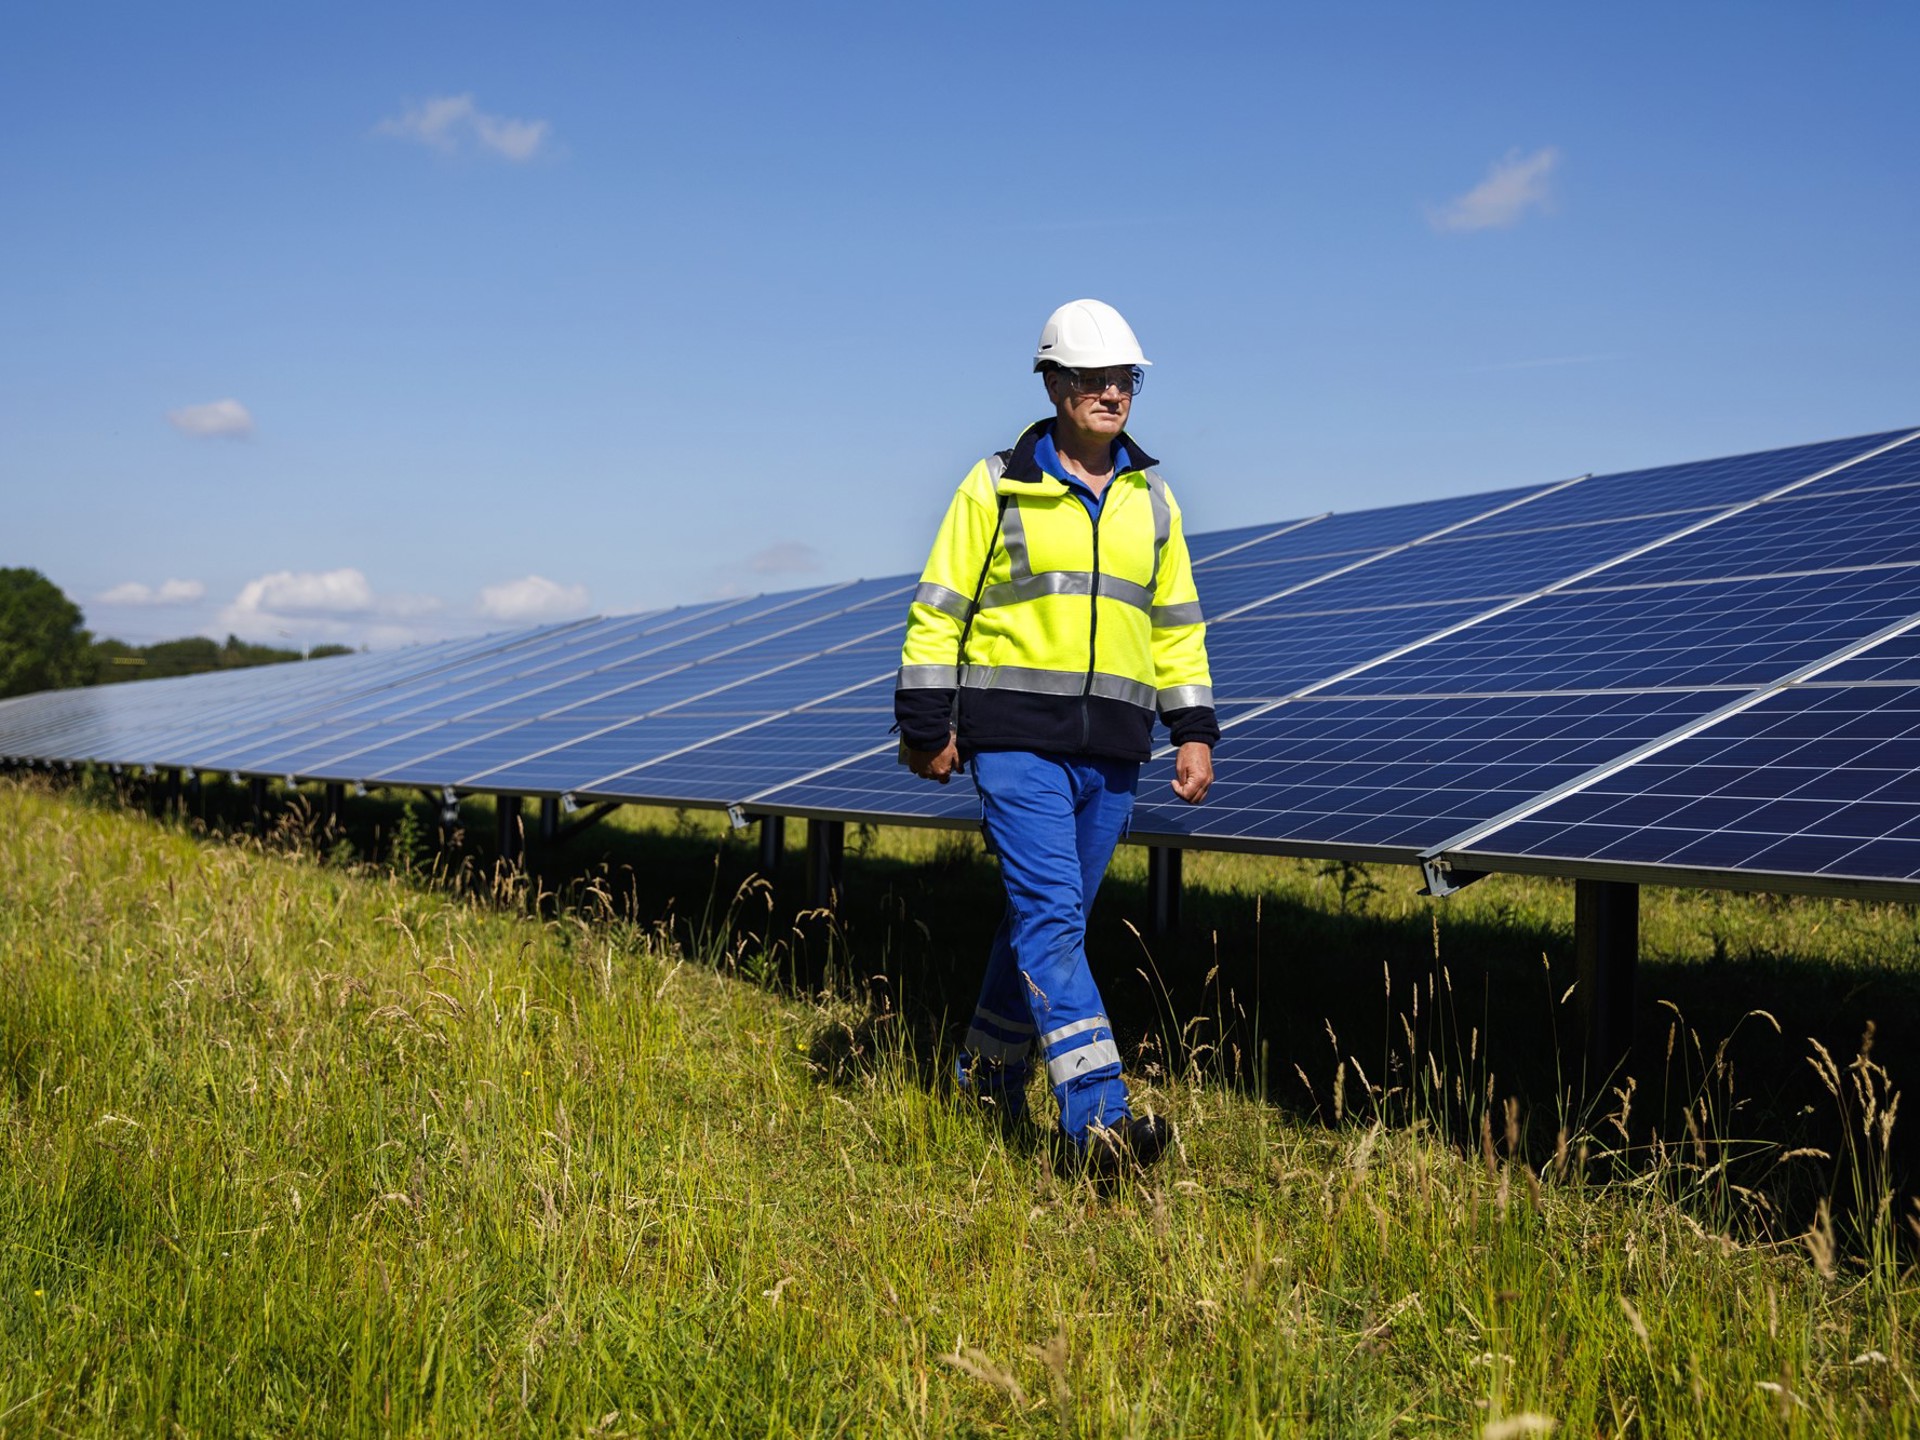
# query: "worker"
x,y
1056,617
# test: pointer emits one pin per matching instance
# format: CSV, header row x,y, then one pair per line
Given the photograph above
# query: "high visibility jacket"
x,y
1083,631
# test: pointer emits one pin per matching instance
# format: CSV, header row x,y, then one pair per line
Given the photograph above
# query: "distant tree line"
x,y
195,655
44,645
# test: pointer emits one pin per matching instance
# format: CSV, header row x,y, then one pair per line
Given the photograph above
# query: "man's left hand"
x,y
1193,771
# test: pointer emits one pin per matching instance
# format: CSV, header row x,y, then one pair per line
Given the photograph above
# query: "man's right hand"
x,y
937,765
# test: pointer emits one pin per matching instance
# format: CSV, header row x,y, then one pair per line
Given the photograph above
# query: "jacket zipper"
x,y
1093,627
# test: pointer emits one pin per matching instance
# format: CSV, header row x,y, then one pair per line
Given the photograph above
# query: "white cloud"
x,y
534,598
340,592
326,605
169,592
450,123
784,557
217,419
1513,186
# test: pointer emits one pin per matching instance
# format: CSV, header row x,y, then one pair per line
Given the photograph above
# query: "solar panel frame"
x,y
407,712
683,651
1479,847
1817,541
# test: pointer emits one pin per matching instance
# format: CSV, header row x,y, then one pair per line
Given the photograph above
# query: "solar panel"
x,y
558,697
1216,544
518,675
584,729
1792,534
609,760
245,738
870,784
749,756
1698,485
1815,778
1469,565
1704,668
1314,552
1376,778
1735,633
1269,653
1458,723
147,721
1813,781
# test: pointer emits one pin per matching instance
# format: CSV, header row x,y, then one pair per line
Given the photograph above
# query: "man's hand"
x,y
1193,771
937,765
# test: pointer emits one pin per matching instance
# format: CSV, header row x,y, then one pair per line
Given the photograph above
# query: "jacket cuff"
x,y
1190,723
925,717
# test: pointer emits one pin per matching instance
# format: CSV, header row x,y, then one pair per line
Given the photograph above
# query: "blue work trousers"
x,y
1053,820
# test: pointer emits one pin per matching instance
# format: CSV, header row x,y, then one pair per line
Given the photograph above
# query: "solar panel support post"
x,y
773,844
170,796
587,819
1163,889
508,835
826,856
1606,946
333,803
257,803
549,819
448,802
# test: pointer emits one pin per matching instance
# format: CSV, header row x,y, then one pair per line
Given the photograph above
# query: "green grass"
x,y
295,1147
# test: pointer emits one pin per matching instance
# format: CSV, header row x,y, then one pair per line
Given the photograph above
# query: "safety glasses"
x,y
1127,379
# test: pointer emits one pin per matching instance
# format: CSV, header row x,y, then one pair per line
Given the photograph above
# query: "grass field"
x,y
301,1144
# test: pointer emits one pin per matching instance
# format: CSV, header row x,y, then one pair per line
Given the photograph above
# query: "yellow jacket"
x,y
1082,632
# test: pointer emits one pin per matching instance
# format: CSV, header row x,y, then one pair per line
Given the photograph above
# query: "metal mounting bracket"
x,y
1443,879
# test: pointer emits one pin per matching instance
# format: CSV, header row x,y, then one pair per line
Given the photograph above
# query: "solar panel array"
x,y
1708,670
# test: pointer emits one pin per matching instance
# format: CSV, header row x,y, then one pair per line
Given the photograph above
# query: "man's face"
x,y
1095,401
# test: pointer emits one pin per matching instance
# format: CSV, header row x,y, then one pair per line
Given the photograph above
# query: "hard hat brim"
x,y
1041,362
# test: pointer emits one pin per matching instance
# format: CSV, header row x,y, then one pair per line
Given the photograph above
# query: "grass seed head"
x,y
1527,1422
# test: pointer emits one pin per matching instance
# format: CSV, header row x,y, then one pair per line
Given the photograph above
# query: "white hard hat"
x,y
1087,335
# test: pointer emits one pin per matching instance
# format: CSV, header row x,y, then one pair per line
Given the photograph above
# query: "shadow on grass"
x,y
1307,996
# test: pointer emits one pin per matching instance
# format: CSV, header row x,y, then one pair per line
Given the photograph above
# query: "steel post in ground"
x,y
1163,889
1606,946
826,855
549,819
773,844
508,836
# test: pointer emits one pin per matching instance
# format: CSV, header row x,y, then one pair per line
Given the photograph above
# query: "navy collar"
x,y
1047,457
1022,466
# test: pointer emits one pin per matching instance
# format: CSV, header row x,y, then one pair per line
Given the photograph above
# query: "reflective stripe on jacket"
x,y
1084,631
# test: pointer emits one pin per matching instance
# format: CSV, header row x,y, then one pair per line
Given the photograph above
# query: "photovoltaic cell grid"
x,y
1648,655
1379,777
520,677
1815,780
586,688
151,722
1310,774
259,741
1383,676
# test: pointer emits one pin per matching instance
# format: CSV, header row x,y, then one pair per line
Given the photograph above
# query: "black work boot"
x,y
1133,1144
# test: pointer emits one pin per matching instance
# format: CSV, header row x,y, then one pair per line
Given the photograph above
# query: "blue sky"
x,y
379,323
